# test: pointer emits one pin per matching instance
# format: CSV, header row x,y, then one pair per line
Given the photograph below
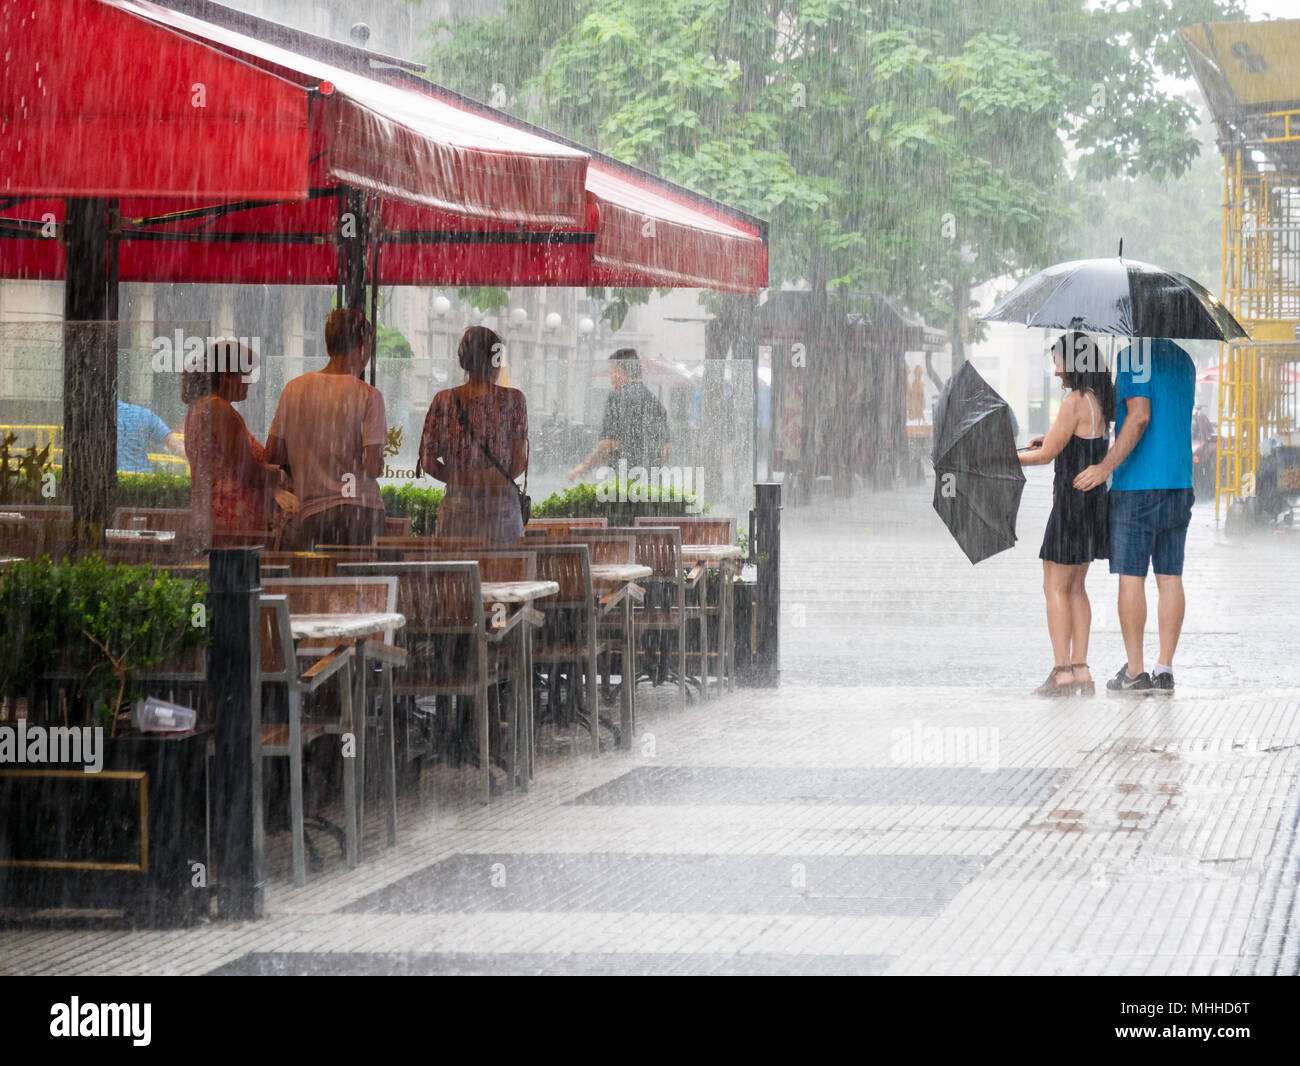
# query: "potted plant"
x,y
106,817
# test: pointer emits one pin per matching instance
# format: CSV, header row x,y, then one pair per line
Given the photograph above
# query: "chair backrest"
x,y
177,520
337,595
660,548
278,663
604,546
695,530
22,537
497,565
241,538
304,564
569,566
397,527
562,527
435,597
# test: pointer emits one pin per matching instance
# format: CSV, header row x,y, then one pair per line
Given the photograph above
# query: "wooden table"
x,y
621,578
522,593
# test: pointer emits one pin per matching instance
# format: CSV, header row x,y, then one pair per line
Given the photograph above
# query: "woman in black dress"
x,y
1078,530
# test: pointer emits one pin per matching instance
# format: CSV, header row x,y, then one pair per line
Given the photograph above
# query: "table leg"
x,y
360,721
628,723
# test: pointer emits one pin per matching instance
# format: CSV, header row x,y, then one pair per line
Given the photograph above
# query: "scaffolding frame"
x,y
1261,286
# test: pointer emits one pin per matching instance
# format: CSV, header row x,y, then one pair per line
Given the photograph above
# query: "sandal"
x,y
1084,688
1053,689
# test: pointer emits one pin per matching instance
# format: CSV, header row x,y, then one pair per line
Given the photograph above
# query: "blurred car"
x,y
1205,450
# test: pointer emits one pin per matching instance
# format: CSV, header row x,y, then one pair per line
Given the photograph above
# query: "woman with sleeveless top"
x,y
476,440
1078,529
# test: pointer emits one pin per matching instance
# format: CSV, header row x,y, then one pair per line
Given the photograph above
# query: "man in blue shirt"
x,y
1150,499
140,431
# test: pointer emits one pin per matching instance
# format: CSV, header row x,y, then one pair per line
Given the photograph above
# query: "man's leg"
x,y
1167,562
1170,615
1132,618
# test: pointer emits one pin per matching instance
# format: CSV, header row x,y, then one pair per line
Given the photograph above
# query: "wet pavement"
x,y
899,805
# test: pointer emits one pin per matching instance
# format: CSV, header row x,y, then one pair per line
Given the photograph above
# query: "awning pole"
x,y
90,301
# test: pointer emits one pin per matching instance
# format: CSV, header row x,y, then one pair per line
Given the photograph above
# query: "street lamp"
x,y
586,325
441,306
554,322
518,318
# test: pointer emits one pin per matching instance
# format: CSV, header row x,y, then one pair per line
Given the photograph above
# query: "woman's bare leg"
x,y
1056,590
1081,618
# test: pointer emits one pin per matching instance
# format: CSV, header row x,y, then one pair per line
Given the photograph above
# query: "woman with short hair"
x,y
475,440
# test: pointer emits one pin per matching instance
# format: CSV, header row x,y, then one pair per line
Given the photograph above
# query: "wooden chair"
x,y
22,538
562,527
665,610
603,545
450,645
502,565
376,652
718,609
304,564
287,740
169,518
397,527
570,640
242,538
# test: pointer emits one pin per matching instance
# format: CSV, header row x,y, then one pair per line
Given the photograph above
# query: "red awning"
x,y
162,104
245,188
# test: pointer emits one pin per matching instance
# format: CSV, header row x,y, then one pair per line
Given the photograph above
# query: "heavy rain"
x,y
612,487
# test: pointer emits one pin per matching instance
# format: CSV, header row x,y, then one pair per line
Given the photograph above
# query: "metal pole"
x,y
767,549
234,685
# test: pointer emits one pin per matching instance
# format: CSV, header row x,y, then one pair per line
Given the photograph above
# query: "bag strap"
x,y
464,421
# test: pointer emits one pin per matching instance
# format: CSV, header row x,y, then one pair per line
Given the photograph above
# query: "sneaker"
x,y
1121,682
1162,682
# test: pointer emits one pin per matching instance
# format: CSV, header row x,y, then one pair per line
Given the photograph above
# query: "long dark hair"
x,y
1085,368
479,353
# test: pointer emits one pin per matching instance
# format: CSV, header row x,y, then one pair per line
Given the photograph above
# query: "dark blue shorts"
x,y
1149,526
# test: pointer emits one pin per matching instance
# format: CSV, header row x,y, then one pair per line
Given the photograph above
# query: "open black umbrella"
x,y
1118,296
977,478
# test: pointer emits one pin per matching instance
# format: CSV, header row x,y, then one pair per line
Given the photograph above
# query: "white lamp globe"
x,y
441,305
554,321
585,325
518,317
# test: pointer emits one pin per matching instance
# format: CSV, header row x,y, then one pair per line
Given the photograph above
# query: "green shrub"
x,y
583,501
102,623
418,504
153,490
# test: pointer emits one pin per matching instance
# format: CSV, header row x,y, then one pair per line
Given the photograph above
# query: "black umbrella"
x,y
977,478
1118,296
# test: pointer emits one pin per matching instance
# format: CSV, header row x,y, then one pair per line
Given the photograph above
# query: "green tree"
x,y
880,140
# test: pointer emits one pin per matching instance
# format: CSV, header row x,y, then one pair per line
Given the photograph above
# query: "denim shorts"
x,y
1149,526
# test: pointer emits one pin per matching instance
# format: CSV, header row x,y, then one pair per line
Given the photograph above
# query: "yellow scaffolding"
x,y
1249,74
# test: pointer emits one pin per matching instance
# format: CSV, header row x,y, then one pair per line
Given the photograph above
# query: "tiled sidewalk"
x,y
898,806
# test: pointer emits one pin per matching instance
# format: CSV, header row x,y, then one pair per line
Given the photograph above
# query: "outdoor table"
x,y
357,626
722,558
139,536
622,578
522,592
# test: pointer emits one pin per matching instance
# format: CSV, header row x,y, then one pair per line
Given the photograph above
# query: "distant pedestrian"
x,y
139,432
1151,500
635,428
1078,529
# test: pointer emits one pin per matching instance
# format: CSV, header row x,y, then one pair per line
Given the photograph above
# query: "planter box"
x,y
124,838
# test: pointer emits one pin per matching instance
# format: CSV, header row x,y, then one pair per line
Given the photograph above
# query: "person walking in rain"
x,y
1151,500
1078,529
635,427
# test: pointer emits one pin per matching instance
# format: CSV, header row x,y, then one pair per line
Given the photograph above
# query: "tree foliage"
x,y
881,140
